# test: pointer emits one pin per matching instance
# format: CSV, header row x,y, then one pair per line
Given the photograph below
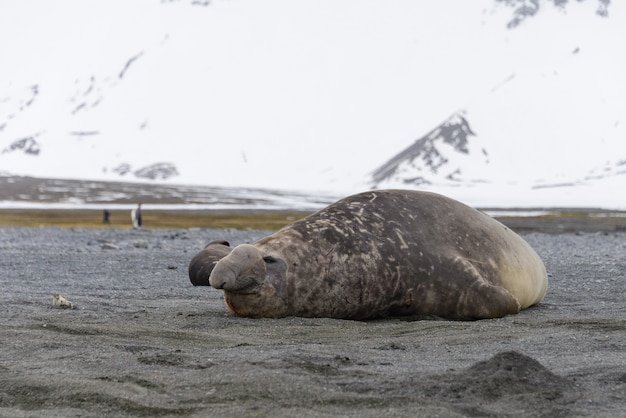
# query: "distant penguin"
x,y
138,216
133,218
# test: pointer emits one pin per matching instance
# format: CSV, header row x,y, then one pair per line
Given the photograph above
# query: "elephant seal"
x,y
385,253
202,264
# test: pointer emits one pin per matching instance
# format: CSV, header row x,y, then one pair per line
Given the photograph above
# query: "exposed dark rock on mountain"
x,y
528,8
123,169
424,153
158,171
26,145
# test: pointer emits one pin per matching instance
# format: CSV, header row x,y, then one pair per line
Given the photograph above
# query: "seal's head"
x,y
202,264
254,284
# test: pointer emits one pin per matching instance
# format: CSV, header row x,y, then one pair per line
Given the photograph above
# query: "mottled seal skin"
x,y
202,263
385,253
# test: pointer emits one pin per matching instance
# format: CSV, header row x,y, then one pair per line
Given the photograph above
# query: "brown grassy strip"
x,y
67,218
565,222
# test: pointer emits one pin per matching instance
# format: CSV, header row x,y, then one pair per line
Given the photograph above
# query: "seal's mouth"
x,y
242,285
251,289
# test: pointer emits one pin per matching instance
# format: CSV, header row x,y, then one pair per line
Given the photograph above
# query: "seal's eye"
x,y
269,259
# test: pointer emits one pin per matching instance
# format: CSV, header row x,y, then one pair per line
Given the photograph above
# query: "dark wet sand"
x,y
144,342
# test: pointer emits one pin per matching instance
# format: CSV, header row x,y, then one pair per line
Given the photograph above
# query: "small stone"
x,y
60,301
140,244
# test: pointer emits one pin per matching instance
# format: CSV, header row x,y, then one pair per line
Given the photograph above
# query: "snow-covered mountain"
x,y
494,102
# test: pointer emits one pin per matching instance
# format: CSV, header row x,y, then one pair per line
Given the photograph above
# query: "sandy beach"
x,y
144,342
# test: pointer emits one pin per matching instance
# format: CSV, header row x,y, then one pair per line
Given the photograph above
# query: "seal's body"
x,y
385,253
